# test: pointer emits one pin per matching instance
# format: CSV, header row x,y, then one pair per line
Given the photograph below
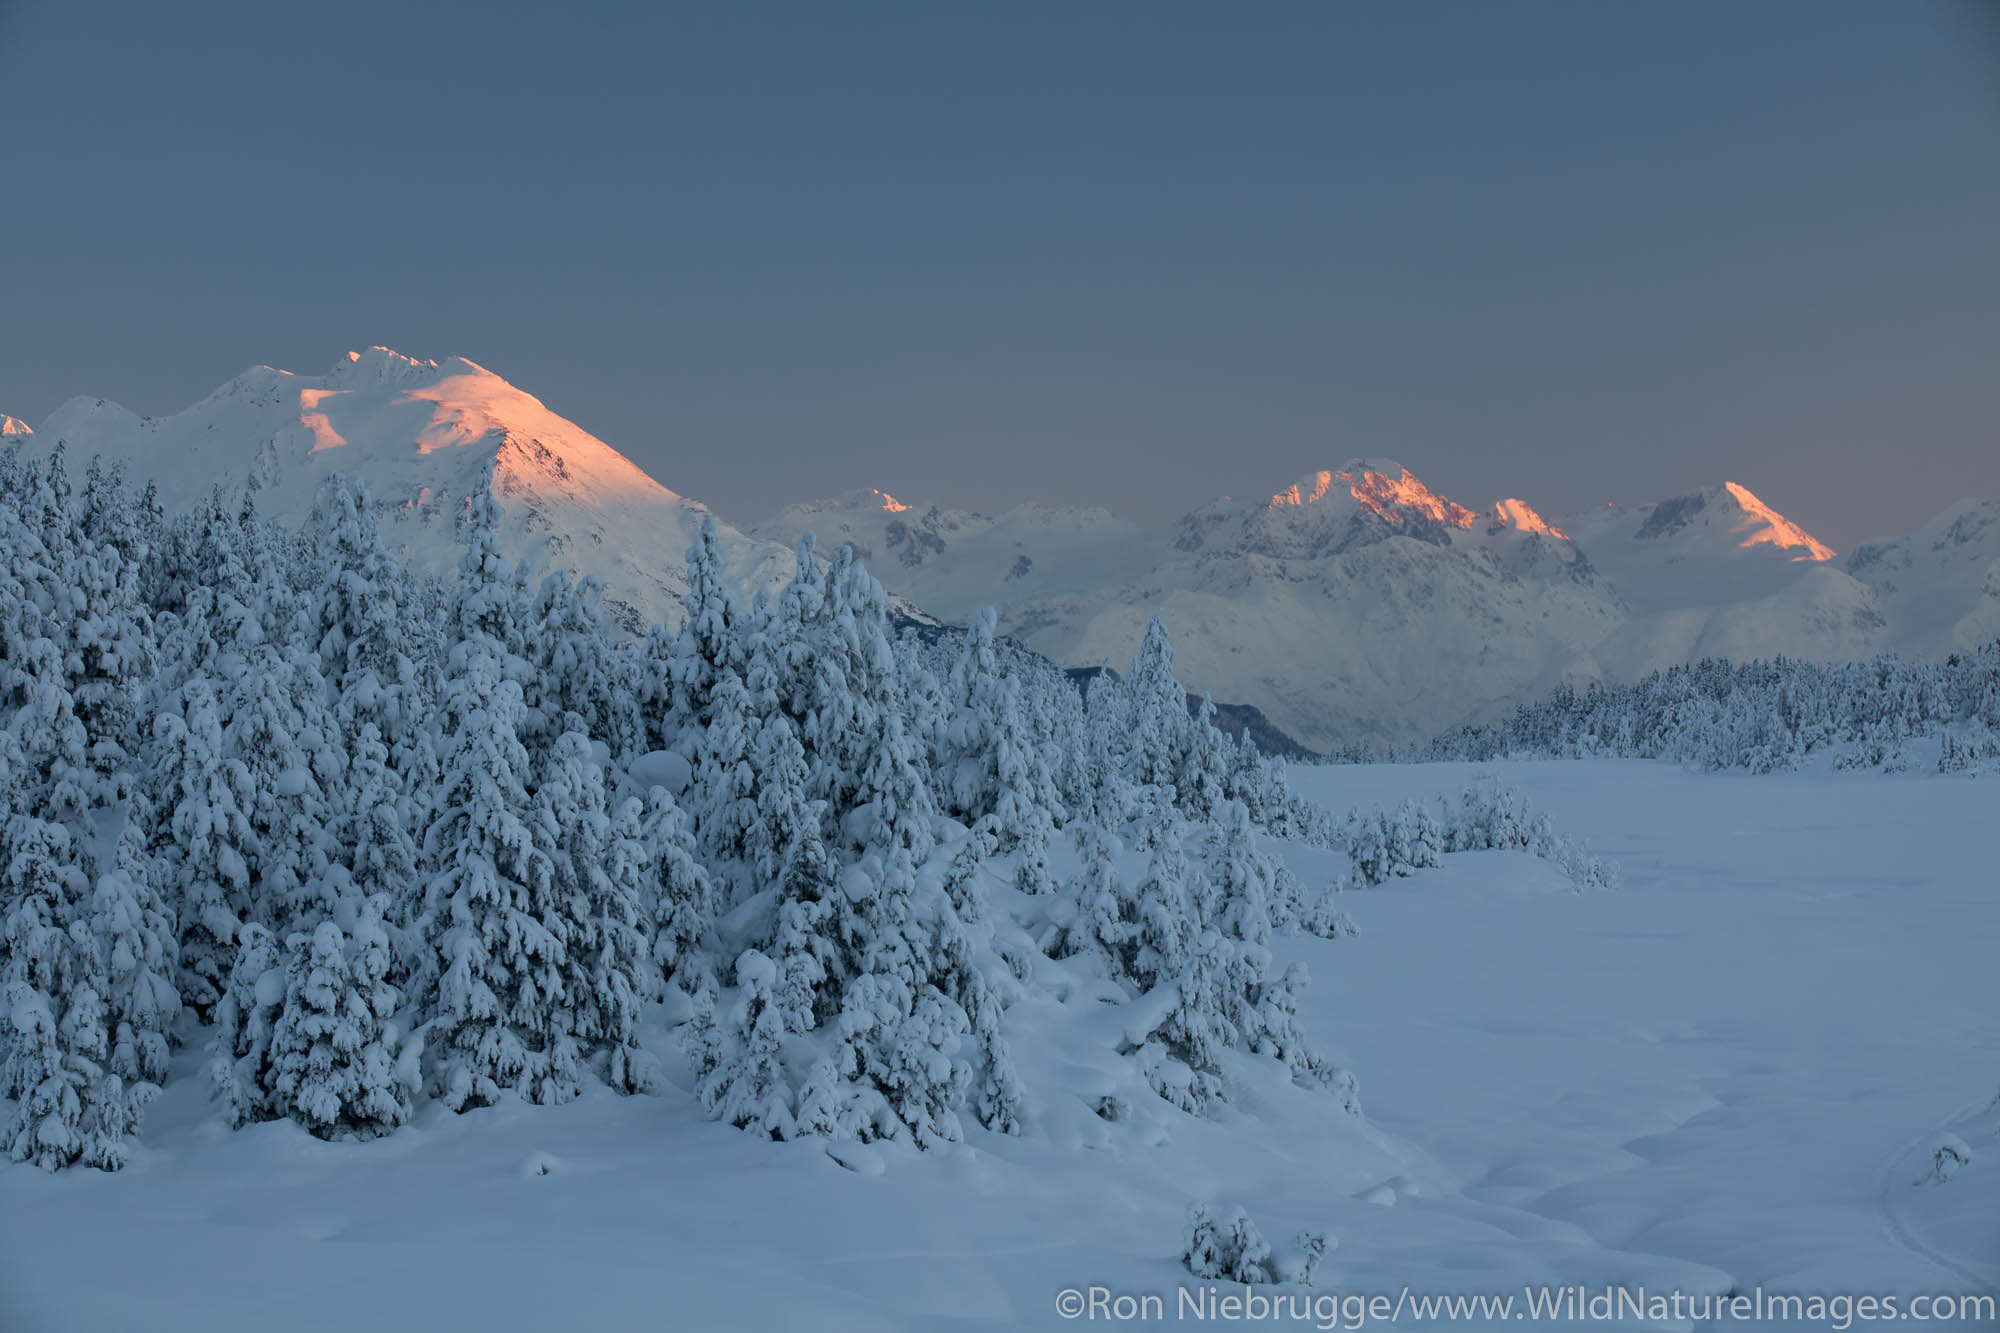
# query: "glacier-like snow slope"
x,y
1733,1071
424,435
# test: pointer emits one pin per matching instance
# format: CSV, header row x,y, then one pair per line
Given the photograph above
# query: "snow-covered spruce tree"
x,y
679,891
253,997
490,602
378,649
741,1079
652,690
1105,789
1202,776
573,667
1426,839
131,924
71,1106
780,772
1161,727
967,748
1232,1250
203,838
375,842
598,892
1098,920
852,685
44,892
1191,954
725,781
1246,777
1166,902
899,1025
711,644
873,955
1411,841
998,1098
498,968
111,656
779,672
281,732
83,935
1244,880
276,559
989,764
332,1063
786,820
1244,875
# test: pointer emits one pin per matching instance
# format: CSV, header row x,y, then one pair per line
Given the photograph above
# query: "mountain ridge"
x,y
1354,604
1357,580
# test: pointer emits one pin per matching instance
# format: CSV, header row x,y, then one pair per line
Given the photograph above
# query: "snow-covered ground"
x,y
1730,1072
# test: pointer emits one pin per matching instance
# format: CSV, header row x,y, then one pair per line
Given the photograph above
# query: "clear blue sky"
x,y
1130,254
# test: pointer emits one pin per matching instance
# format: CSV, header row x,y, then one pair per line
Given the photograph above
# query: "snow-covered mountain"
x,y
1939,588
14,426
1359,605
1720,573
1354,605
1708,548
425,435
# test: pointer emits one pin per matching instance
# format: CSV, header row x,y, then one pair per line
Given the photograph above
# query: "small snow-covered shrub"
x,y
1233,1250
1486,816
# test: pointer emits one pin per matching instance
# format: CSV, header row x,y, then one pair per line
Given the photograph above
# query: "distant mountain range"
x,y
1354,605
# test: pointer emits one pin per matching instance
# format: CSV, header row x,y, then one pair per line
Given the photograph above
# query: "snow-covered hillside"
x,y
1731,1073
425,436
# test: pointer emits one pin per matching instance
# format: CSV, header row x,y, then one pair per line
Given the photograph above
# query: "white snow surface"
x,y
425,435
1733,1071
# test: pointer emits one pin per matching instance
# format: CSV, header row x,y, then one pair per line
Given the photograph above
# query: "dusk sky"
x,y
1133,255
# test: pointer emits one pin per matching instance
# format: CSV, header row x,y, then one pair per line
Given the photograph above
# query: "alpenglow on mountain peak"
x,y
1382,486
1714,518
1391,492
425,436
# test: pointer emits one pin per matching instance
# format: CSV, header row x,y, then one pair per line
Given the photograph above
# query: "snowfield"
x,y
1732,1072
